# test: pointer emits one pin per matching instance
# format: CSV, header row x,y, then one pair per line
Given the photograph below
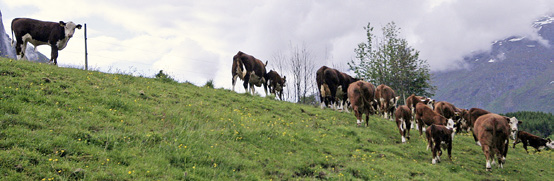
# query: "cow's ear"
x,y
79,26
62,24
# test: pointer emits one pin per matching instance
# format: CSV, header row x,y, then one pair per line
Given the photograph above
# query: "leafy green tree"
x,y
392,62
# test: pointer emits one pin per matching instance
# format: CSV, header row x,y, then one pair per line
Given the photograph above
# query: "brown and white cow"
x,y
492,131
387,99
276,83
39,32
475,113
536,142
329,80
403,115
362,101
412,101
425,116
249,69
439,136
449,111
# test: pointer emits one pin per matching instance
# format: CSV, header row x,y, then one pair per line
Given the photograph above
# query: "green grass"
x,y
66,124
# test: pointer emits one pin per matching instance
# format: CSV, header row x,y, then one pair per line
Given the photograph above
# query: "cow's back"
x,y
492,129
404,112
39,30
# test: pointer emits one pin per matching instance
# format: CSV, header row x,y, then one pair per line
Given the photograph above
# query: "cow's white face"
x,y
69,28
513,127
450,124
550,143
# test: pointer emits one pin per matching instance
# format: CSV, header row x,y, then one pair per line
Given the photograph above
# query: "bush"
x,y
164,77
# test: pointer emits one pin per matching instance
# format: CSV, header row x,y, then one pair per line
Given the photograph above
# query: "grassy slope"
x,y
61,123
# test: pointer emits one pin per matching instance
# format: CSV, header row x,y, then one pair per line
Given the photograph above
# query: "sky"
x,y
195,40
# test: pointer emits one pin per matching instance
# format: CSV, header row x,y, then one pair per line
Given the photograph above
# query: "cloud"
x,y
185,37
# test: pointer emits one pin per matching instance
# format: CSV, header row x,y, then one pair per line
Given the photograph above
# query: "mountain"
x,y
6,49
516,75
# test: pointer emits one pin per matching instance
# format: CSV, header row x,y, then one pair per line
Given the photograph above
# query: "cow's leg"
x,y
23,48
525,146
234,81
449,149
333,99
246,82
420,124
438,149
487,152
475,138
265,86
367,120
54,56
358,116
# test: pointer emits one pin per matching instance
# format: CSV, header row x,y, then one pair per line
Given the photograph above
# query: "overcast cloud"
x,y
195,40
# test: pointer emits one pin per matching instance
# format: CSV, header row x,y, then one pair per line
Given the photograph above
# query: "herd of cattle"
x,y
439,120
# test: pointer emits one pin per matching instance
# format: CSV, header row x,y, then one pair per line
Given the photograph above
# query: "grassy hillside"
x,y
66,124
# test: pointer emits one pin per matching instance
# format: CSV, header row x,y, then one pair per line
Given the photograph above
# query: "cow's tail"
x,y
13,40
429,138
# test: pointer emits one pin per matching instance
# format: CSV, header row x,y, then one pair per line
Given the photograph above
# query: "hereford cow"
x,y
361,98
536,142
249,69
387,100
449,111
41,33
426,116
329,80
437,136
475,113
403,115
492,131
276,83
412,101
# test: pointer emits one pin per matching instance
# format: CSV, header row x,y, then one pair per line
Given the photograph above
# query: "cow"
x,y
492,131
276,83
387,99
464,123
251,70
449,111
361,98
474,113
536,142
329,80
39,32
426,116
412,101
403,115
437,136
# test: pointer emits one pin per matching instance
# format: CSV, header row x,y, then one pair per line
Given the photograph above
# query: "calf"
x,y
39,32
276,83
249,69
361,98
403,115
437,136
412,101
426,116
492,131
532,140
387,100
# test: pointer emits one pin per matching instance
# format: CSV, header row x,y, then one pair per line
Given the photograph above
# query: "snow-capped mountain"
x,y
516,75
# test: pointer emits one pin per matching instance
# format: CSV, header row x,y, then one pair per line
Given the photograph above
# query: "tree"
x,y
392,62
300,63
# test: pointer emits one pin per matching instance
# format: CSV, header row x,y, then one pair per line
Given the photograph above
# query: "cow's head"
x,y
513,126
238,66
394,101
549,143
450,124
69,28
284,83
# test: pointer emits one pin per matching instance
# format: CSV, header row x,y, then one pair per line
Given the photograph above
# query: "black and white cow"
x,y
249,69
39,32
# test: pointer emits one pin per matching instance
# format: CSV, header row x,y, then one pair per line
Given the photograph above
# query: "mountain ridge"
x,y
516,75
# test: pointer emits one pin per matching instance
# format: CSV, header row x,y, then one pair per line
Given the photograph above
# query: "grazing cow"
x,y
249,69
492,131
412,101
39,32
403,115
437,136
387,100
536,142
276,83
329,80
361,98
426,116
